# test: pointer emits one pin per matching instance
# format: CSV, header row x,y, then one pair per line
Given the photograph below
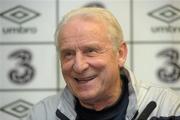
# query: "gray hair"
x,y
97,14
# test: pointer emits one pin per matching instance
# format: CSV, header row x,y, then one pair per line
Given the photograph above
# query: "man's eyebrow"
x,y
66,49
91,45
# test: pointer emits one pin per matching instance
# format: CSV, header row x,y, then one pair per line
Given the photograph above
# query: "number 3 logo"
x,y
170,72
24,71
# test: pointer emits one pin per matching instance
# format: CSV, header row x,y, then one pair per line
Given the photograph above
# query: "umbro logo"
x,y
18,108
166,13
19,14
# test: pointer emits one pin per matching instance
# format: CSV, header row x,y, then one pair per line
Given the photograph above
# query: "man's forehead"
x,y
80,44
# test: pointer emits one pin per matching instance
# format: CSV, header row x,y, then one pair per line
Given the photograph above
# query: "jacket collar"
x,y
133,92
66,107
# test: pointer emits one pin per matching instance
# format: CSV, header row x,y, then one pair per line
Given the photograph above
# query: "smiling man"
x,y
89,62
99,87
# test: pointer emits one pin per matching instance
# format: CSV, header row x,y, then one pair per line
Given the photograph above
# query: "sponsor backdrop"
x,y
29,69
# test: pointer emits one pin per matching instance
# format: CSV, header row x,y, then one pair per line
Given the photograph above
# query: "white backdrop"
x,y
29,69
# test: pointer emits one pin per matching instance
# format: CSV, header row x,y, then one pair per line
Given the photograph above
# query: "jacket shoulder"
x,y
167,101
45,109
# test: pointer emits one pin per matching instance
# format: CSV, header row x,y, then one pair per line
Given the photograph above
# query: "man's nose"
x,y
80,63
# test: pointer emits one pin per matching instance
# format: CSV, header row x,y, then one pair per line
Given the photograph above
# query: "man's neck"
x,y
105,102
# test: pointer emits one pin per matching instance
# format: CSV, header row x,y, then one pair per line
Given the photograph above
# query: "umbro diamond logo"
x,y
167,13
19,14
19,108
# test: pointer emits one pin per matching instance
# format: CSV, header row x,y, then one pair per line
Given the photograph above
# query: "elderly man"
x,y
99,87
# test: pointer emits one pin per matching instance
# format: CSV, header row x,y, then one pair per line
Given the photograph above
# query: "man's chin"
x,y
87,98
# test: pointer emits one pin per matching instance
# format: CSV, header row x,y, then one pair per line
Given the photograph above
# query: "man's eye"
x,y
67,55
91,51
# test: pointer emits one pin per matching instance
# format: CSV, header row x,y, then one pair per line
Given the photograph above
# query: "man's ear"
x,y
122,53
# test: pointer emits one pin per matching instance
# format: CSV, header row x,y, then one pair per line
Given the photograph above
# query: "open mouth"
x,y
84,79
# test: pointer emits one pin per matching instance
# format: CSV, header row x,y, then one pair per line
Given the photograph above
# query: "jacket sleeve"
x,y
171,103
170,107
167,103
178,108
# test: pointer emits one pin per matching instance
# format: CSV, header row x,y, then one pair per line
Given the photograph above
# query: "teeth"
x,y
84,79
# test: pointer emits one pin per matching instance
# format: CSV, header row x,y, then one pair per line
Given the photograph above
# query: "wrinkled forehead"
x,y
85,19
78,31
80,26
